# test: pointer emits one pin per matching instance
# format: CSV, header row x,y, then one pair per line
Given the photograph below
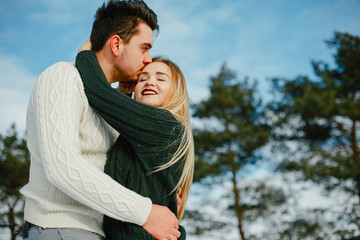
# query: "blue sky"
x,y
260,39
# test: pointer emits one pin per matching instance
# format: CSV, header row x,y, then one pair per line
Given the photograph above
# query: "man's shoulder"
x,y
63,66
61,72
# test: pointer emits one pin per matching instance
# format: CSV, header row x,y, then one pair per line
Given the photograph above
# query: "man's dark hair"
x,y
121,18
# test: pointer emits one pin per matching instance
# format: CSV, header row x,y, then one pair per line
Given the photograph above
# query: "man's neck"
x,y
106,65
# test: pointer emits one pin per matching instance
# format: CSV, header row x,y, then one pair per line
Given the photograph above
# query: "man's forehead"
x,y
145,34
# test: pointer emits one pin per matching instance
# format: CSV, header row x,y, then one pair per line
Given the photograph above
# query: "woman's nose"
x,y
150,82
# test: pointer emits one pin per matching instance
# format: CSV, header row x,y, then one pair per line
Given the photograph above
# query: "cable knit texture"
x,y
68,142
149,137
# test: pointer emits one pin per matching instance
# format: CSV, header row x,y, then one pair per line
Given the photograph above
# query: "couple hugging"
x,y
104,164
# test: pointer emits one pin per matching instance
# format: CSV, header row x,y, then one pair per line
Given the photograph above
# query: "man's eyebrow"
x,y
149,45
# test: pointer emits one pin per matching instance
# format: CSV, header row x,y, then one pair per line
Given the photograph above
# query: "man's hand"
x,y
162,223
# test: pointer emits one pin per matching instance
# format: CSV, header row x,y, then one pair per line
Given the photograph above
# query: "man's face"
x,y
135,55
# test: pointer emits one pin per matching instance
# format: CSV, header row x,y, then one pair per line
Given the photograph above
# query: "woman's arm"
x,y
136,121
126,88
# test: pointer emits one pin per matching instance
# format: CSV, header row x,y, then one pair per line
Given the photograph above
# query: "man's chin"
x,y
132,89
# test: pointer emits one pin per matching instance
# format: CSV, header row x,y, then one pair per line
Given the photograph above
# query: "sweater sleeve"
x,y
137,122
57,115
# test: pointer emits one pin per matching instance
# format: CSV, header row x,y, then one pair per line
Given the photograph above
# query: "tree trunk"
x,y
355,150
238,210
354,144
11,218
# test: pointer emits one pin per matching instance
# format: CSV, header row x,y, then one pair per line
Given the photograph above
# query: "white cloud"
x,y
15,89
13,73
60,12
13,103
55,17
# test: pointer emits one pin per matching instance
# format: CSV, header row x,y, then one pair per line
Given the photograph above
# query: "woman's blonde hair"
x,y
179,107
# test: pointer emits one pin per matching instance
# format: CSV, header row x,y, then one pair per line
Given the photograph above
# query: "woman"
x,y
154,152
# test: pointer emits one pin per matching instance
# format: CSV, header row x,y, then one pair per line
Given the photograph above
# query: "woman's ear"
x,y
116,45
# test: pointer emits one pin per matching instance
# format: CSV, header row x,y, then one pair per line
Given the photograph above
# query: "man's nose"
x,y
147,59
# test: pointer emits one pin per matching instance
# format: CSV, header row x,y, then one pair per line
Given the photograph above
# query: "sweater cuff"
x,y
141,210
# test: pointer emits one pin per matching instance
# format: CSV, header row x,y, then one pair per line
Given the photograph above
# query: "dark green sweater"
x,y
149,137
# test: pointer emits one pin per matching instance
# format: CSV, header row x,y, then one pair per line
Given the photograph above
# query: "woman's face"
x,y
155,86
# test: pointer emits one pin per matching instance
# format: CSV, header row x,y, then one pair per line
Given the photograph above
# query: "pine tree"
x,y
14,172
236,129
322,116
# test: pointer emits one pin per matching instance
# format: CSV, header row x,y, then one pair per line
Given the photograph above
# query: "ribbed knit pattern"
x,y
68,142
149,137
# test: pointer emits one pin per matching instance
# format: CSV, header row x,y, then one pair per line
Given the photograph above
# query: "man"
x,y
68,193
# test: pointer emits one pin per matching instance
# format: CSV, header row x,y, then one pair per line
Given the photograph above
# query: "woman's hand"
x,y
86,46
127,87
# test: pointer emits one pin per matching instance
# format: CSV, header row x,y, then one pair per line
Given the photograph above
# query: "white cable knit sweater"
x,y
68,144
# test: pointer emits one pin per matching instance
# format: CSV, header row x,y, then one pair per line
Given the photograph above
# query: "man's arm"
x,y
59,108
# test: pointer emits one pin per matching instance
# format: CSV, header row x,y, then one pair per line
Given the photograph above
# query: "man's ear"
x,y
116,45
